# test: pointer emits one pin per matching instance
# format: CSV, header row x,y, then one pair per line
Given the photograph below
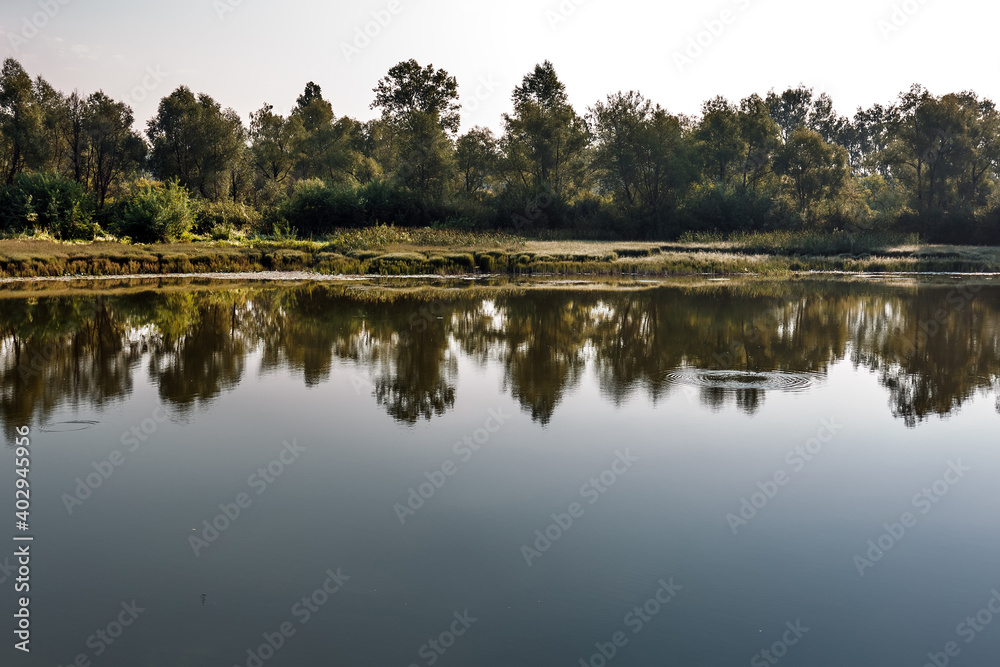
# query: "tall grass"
x,y
807,242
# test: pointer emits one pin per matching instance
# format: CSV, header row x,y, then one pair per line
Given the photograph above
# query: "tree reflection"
x,y
932,348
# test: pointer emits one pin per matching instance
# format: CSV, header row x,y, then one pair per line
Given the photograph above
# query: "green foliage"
x,y
409,88
729,209
47,202
197,142
818,243
643,158
816,172
152,211
316,208
925,164
378,236
211,217
544,140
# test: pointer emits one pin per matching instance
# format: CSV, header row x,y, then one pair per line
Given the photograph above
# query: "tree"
x,y
272,138
20,120
116,150
642,155
409,88
870,135
945,150
790,110
322,144
544,141
50,152
823,119
718,134
427,157
476,157
75,138
817,171
761,139
197,142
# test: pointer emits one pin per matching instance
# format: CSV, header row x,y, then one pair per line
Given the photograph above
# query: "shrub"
x,y
378,236
720,209
215,217
152,211
316,208
47,202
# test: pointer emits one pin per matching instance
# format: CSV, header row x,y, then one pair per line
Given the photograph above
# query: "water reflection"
x,y
931,347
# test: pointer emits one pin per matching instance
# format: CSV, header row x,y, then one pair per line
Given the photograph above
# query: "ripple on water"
x,y
67,426
733,379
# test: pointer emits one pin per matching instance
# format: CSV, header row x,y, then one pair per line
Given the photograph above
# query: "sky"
x,y
247,52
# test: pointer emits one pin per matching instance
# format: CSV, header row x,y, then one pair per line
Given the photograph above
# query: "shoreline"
x,y
39,260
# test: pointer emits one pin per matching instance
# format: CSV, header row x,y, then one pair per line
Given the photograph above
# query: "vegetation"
x,y
401,342
396,251
74,167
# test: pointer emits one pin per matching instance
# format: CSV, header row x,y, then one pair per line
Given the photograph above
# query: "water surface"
x,y
730,448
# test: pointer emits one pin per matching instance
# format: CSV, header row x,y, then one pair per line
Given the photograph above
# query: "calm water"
x,y
478,475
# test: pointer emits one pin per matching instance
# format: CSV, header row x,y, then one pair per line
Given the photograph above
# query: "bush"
x,y
712,208
152,211
384,202
315,208
218,216
955,227
48,202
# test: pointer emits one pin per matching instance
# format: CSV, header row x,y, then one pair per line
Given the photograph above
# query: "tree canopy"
x,y
625,167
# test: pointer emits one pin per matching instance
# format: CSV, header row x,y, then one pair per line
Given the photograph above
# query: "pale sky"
x,y
246,52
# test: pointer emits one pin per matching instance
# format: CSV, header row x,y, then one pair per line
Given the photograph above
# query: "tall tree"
x,y
272,142
545,141
410,88
761,139
20,120
817,171
642,155
50,150
718,134
945,150
194,140
117,151
324,145
476,157
74,137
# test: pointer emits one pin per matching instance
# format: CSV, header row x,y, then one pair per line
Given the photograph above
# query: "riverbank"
x,y
457,255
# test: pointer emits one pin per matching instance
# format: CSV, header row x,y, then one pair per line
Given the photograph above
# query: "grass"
x,y
386,250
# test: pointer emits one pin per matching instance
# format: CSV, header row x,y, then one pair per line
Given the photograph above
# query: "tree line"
x,y
76,167
194,345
